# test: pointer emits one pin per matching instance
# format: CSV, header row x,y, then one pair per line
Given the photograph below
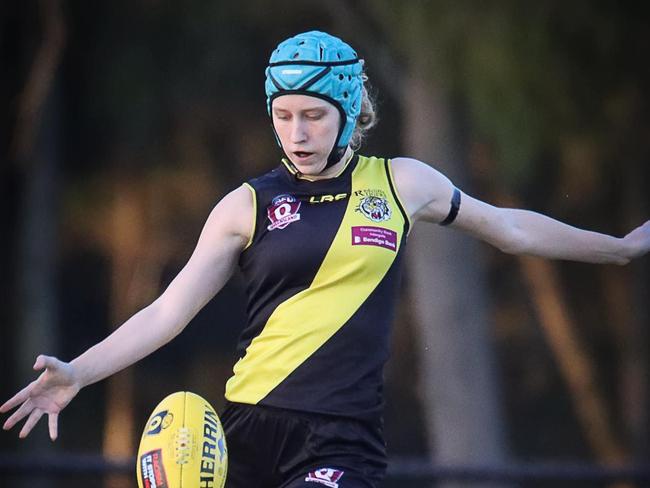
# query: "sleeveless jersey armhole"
x,y
393,189
254,224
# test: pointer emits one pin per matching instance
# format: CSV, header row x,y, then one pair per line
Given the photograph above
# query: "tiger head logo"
x,y
375,208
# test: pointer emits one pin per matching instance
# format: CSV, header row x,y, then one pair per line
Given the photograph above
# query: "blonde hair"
x,y
367,119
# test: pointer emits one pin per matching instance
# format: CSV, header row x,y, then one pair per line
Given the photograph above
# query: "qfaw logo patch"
x,y
325,476
283,211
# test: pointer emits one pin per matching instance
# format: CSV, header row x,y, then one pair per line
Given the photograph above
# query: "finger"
x,y
17,399
36,414
22,412
43,361
53,424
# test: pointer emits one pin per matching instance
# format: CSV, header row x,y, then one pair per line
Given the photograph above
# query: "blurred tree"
x,y
448,286
36,152
565,84
530,81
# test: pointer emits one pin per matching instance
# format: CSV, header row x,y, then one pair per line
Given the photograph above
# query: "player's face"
x,y
307,128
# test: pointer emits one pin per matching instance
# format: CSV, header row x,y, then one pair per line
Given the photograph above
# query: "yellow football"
x,y
183,445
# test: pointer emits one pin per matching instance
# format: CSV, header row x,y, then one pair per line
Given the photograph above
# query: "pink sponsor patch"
x,y
374,236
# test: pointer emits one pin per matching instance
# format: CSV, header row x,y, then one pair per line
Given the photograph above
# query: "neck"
x,y
334,169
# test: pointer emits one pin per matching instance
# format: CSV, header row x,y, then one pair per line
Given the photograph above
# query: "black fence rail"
x,y
400,469
422,470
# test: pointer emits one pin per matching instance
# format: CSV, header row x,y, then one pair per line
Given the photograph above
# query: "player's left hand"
x,y
638,241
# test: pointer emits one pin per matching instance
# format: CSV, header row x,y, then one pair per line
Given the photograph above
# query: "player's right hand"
x,y
49,393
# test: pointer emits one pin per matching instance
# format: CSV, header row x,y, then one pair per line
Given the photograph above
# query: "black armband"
x,y
455,207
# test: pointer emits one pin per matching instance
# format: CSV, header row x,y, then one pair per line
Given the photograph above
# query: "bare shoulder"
x,y
425,191
233,216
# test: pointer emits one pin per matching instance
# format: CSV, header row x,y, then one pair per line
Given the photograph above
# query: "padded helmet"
x,y
320,65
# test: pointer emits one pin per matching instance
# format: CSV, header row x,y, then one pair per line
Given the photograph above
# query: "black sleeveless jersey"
x,y
321,272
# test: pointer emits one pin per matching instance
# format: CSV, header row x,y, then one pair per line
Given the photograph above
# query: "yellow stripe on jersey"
x,y
348,274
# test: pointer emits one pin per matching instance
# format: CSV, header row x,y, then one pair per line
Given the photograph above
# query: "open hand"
x,y
49,393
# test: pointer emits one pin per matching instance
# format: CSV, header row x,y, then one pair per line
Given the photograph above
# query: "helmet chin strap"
x,y
337,151
335,155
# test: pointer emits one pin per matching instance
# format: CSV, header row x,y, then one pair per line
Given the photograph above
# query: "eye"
x,y
316,115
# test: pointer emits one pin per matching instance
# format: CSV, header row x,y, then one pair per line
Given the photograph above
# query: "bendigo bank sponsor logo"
x,y
213,450
374,236
152,470
283,211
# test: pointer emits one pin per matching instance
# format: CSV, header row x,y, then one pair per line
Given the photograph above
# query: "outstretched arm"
x,y
518,231
224,235
427,194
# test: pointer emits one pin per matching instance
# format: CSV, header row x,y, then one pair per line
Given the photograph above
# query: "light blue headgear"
x,y
323,66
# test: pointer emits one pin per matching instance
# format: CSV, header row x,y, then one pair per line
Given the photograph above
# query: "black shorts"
x,y
276,448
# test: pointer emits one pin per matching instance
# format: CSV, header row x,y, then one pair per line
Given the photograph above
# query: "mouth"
x,y
302,155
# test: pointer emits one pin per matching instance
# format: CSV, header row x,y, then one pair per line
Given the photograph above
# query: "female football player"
x,y
320,241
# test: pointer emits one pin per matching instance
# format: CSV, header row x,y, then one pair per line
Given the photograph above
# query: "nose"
x,y
298,131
